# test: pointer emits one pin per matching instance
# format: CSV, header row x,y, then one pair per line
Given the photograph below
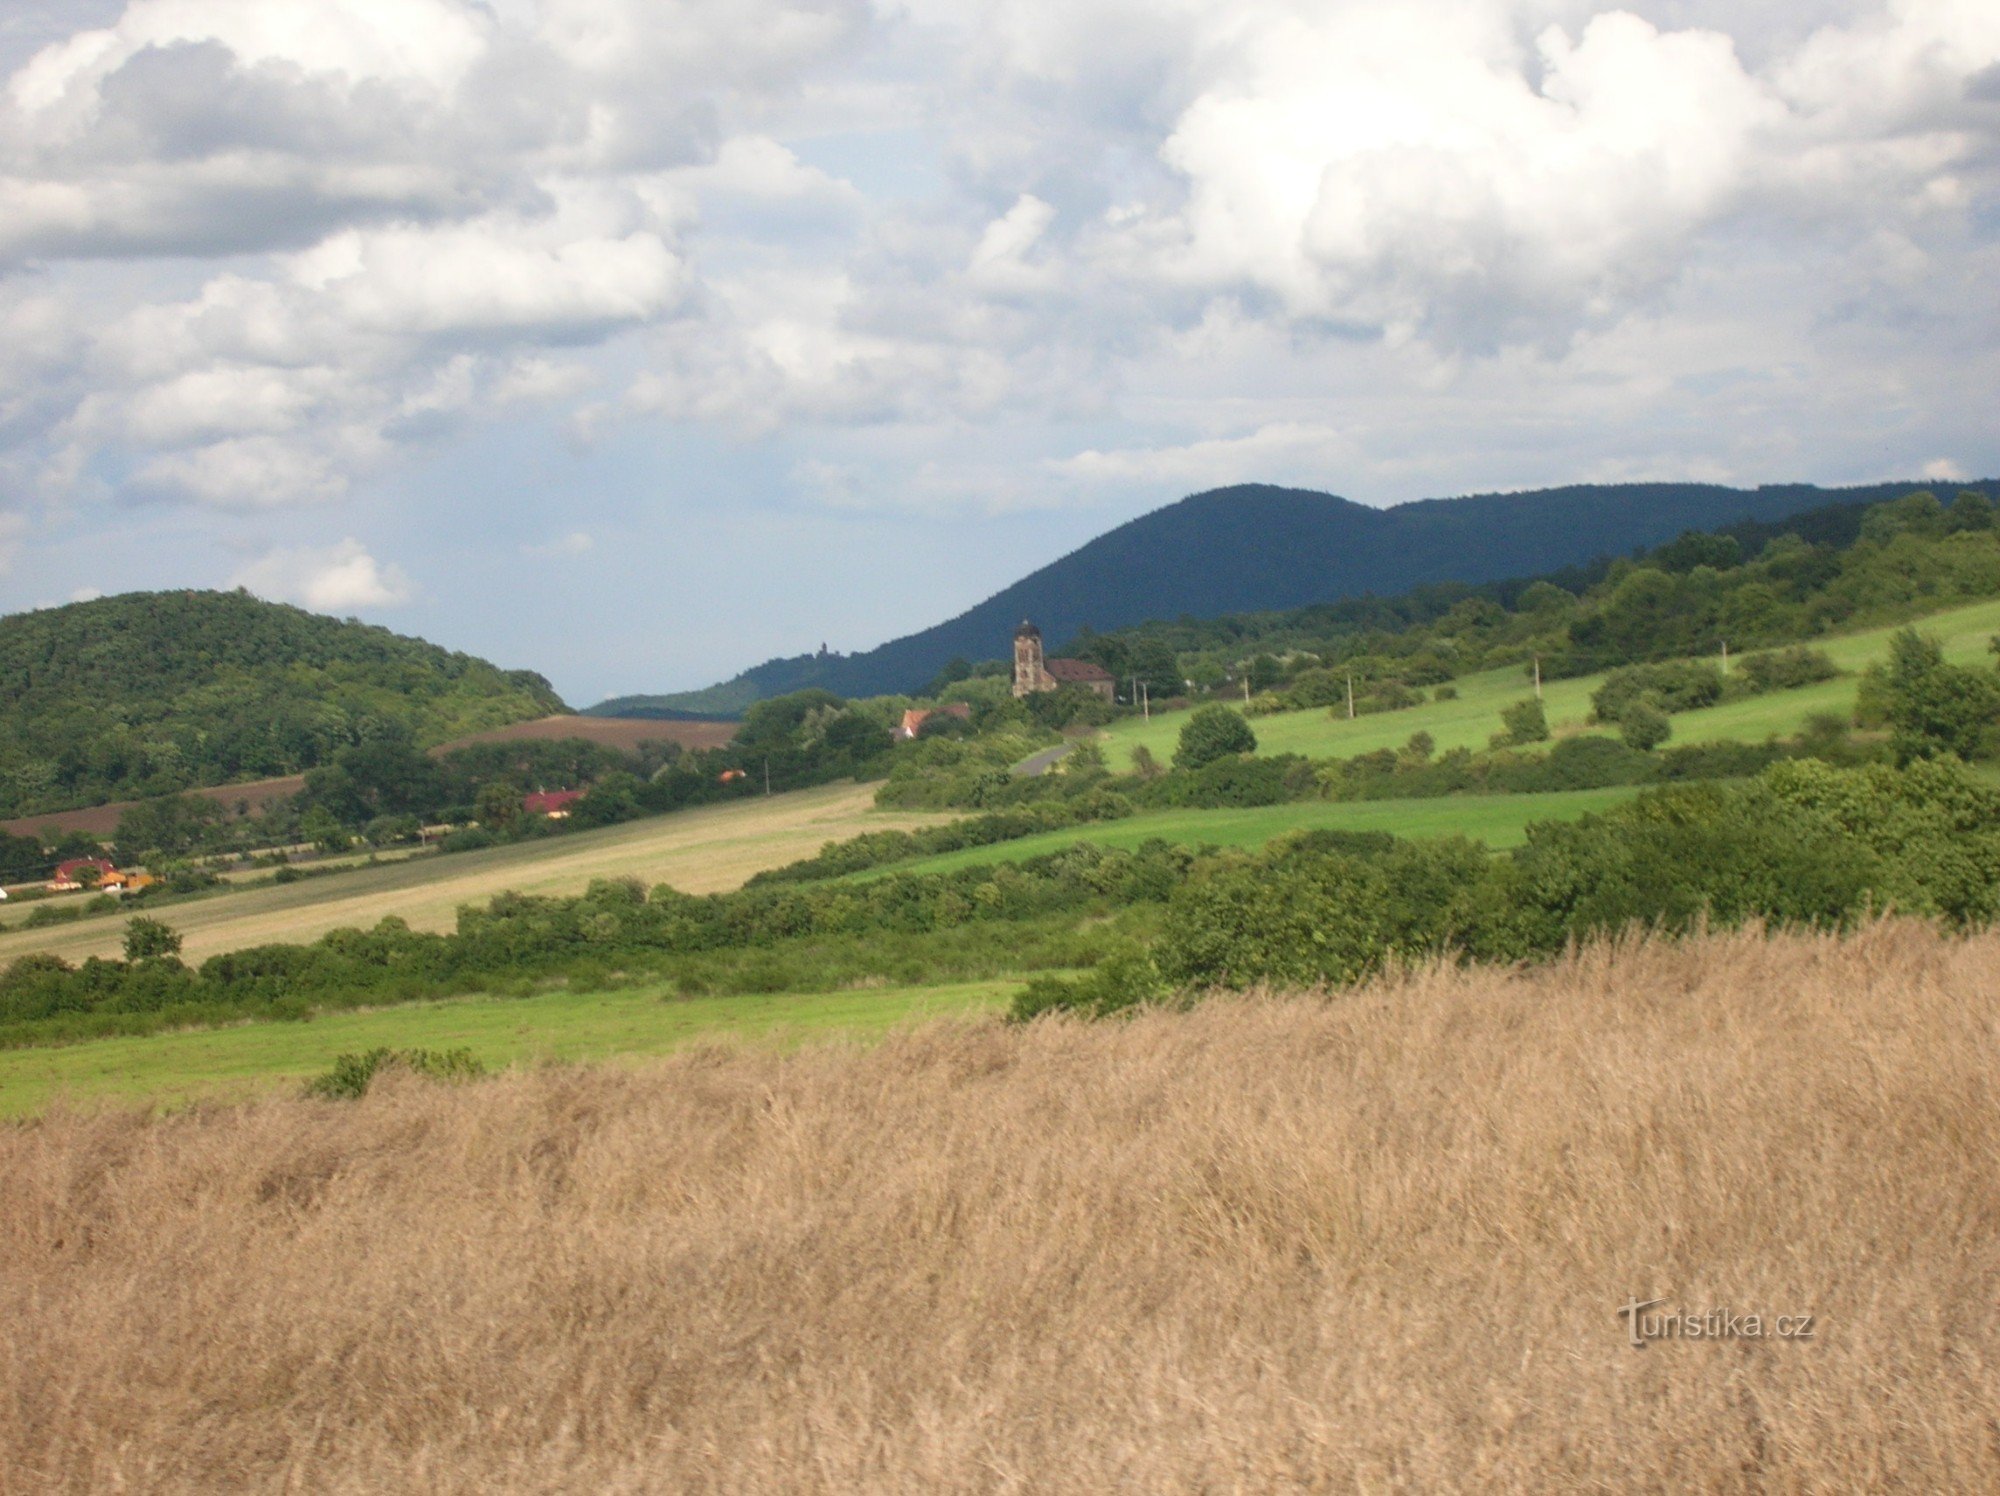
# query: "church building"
x,y
1034,673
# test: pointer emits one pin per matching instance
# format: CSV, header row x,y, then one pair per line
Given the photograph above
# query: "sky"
x,y
636,341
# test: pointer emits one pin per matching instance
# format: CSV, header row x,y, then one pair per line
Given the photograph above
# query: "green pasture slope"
x,y
233,1063
1474,717
1500,821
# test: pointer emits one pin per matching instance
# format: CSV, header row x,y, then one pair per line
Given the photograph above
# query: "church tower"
x,y
1029,674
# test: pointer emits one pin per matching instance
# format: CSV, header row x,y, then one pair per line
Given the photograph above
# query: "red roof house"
x,y
67,873
915,718
554,804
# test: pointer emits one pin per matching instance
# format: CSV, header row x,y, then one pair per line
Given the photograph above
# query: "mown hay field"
x,y
698,851
1374,1240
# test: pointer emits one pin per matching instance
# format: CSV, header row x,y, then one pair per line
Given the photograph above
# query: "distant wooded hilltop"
x,y
1255,548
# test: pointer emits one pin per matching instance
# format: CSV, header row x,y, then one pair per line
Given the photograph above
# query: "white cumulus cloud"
x,y
966,257
329,579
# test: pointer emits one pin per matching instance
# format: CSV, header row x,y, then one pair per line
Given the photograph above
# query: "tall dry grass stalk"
x,y
1373,1242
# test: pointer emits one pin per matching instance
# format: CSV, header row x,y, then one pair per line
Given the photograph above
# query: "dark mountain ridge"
x,y
1259,548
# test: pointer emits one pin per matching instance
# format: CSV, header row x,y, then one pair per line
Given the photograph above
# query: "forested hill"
x,y
152,692
1255,548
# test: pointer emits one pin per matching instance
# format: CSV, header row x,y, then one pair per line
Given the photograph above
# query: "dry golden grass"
x,y
1369,1243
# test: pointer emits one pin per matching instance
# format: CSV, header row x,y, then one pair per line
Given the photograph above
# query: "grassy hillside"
x,y
697,851
151,693
1256,547
1282,1243
627,1024
1474,717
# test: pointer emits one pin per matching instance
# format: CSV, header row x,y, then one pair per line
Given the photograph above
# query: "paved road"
x,y
1042,762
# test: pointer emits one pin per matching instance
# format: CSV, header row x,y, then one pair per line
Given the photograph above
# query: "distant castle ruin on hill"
x,y
1034,673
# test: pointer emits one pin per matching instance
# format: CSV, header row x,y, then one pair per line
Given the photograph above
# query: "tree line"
x,y
1804,843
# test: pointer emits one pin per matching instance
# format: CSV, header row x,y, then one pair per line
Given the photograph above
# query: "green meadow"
x,y
1472,719
557,1025
1498,820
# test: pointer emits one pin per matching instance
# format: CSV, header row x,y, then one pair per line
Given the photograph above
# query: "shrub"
x,y
1212,733
1325,920
386,831
1118,983
352,1074
1523,722
1240,783
1581,763
1387,696
1445,693
1675,686
468,839
186,878
146,938
1787,669
1644,726
1933,707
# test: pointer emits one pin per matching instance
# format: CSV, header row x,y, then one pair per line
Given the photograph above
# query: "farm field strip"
x,y
1472,719
698,851
628,1024
1500,821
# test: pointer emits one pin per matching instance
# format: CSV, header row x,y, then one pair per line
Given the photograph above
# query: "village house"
x,y
914,719
1033,673
554,804
83,873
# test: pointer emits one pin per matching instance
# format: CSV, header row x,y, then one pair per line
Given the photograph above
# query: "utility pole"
x,y
1246,688
1350,695
1725,657
1538,677
1146,699
767,776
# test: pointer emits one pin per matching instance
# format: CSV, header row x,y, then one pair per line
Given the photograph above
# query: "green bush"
x,y
1676,686
1523,722
1933,707
1239,783
1786,669
352,1074
147,938
1121,981
1642,725
1212,733
1324,921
